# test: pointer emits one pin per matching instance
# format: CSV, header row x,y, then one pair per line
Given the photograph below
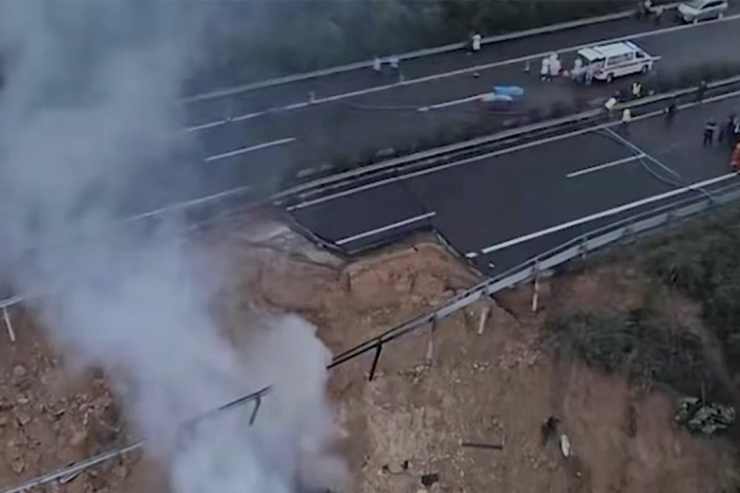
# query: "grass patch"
x,y
646,346
702,260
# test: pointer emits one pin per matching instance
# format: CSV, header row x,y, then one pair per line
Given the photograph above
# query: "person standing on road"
x,y
577,72
670,113
555,66
647,7
636,90
545,69
377,65
709,130
725,131
589,75
658,14
475,41
395,63
626,120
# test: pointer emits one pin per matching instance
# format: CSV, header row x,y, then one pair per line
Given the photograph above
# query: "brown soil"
x,y
432,391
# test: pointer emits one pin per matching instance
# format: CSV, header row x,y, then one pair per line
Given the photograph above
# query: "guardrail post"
x,y
430,343
583,247
536,291
257,404
627,233
376,358
8,324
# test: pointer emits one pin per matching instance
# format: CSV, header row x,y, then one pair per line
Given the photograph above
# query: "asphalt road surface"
x,y
259,145
503,210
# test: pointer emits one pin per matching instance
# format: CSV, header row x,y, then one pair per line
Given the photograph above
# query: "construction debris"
x,y
702,417
428,480
489,446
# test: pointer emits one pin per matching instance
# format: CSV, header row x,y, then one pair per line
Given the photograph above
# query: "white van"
x,y
607,62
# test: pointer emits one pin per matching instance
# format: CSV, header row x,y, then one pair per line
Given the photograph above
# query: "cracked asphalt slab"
x,y
488,203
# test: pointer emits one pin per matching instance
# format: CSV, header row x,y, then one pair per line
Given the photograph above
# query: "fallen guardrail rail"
x,y
626,229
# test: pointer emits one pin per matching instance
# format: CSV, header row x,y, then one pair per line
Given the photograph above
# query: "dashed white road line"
x,y
383,229
253,148
599,215
610,164
454,102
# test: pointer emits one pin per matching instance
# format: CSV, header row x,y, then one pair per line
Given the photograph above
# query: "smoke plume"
x,y
88,114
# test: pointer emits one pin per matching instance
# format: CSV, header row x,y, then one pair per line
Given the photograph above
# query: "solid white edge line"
x,y
606,213
454,102
500,152
230,91
477,68
383,229
610,164
245,150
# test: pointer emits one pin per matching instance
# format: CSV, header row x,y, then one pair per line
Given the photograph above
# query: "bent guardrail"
x,y
578,247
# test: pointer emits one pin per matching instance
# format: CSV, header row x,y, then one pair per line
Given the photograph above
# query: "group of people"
x,y
728,133
645,10
551,67
475,41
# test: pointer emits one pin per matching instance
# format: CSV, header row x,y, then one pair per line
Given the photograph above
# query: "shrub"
x,y
641,345
702,262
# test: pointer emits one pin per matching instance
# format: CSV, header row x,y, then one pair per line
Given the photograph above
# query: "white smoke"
x,y
87,113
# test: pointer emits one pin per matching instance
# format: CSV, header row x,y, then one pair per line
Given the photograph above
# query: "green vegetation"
x,y
644,345
700,259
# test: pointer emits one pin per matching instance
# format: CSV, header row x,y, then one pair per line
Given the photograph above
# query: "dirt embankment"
x,y
432,391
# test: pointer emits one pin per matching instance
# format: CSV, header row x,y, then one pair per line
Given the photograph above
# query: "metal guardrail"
x,y
629,228
617,232
203,208
253,86
434,156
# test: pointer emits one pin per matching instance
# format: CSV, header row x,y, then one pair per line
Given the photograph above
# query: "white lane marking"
x,y
606,213
253,148
592,169
454,102
410,56
477,68
471,254
389,227
206,126
189,203
500,152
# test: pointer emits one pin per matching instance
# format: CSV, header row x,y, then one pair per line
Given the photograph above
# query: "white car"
x,y
701,10
607,62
